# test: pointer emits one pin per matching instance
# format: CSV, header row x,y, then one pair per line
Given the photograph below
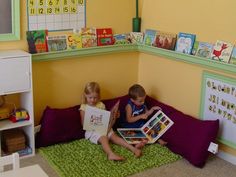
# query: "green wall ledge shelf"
x,y
93,51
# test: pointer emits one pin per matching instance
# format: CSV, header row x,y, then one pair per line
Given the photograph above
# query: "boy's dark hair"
x,y
136,91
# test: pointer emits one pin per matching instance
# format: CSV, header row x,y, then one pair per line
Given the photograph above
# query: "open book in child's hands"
x,y
100,120
151,131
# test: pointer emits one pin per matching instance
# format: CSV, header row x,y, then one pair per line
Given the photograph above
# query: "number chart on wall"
x,y
218,101
56,14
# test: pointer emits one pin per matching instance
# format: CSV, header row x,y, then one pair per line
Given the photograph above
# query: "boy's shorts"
x,y
94,136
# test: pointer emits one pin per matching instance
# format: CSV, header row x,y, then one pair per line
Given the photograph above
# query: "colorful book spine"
x,y
233,57
185,42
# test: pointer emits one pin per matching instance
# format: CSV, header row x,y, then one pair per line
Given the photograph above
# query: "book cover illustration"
x,y
233,57
100,120
121,39
151,131
89,37
222,51
136,37
37,41
104,36
165,40
149,37
204,49
185,42
74,41
57,43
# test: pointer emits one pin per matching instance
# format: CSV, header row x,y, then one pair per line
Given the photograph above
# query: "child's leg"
x,y
103,140
120,141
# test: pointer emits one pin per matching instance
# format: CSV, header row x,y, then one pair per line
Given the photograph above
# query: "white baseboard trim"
x,y
227,157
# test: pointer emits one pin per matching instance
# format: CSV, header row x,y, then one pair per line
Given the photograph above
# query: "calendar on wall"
x,y
56,14
218,101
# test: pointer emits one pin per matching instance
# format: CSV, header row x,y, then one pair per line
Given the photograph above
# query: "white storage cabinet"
x,y
16,78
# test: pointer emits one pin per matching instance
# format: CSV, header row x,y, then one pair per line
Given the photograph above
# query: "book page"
x,y
132,135
157,126
96,119
113,116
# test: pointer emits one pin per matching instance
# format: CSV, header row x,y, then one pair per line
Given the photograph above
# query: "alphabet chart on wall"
x,y
219,102
56,14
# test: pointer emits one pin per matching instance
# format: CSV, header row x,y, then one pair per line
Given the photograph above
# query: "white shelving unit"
x,y
16,78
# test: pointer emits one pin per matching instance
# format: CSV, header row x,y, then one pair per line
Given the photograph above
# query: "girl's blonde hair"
x,y
90,87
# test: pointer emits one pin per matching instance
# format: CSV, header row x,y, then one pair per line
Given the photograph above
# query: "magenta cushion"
x,y
59,125
191,137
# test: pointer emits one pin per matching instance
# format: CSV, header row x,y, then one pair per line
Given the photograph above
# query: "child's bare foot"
x,y
162,142
115,157
137,152
141,144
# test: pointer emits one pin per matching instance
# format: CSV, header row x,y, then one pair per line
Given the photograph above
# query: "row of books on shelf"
x,y
39,41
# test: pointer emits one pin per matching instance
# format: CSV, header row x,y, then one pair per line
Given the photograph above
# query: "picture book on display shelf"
x,y
165,40
74,41
89,37
37,41
104,36
121,39
149,37
222,51
151,131
185,43
204,49
136,37
57,43
100,120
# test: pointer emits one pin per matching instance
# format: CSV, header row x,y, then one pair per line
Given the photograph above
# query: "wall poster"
x,y
56,14
218,101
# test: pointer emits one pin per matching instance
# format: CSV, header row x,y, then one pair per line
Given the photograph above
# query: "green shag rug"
x,y
81,158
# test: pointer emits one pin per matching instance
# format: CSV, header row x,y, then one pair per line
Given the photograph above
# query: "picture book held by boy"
x,y
37,41
222,51
151,131
185,43
100,120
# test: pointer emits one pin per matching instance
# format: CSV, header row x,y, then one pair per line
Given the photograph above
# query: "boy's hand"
x,y
154,108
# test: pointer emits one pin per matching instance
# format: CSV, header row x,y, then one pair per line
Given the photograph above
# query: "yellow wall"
x,y
60,83
174,82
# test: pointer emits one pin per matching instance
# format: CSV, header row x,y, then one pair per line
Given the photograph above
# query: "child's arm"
x,y
81,117
131,118
150,111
